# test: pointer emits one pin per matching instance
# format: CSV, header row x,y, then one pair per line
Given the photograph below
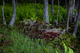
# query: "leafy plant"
x,y
66,49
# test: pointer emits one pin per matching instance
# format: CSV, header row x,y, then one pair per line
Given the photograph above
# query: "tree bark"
x,y
57,14
66,4
52,7
72,5
45,11
77,23
4,21
70,12
14,14
76,4
36,9
68,20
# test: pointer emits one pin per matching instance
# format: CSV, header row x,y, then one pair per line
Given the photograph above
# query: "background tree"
x,y
14,13
52,8
76,4
45,11
57,13
77,23
71,4
36,9
66,4
4,21
69,14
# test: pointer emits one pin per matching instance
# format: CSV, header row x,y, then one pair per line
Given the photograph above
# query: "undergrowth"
x,y
14,41
27,11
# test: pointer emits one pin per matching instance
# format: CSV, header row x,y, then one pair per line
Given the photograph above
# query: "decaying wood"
x,y
41,30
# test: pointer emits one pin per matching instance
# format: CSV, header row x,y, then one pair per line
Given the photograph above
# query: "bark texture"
x,y
36,9
57,14
66,4
72,5
68,20
52,7
14,13
77,23
45,11
70,12
4,21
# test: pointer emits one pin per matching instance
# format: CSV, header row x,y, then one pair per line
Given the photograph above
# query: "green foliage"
x,y
0,14
69,40
27,11
62,13
66,49
79,23
22,44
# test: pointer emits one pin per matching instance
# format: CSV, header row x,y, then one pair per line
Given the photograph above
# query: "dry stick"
x,y
4,21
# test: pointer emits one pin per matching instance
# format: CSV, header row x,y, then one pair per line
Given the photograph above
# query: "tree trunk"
x,y
77,23
66,4
52,8
4,21
45,11
68,20
57,14
70,12
72,5
76,4
14,14
36,9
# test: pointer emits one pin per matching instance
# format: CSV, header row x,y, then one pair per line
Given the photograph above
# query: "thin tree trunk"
x,y
73,6
45,11
77,23
14,14
36,9
4,21
52,8
57,14
66,4
77,4
70,4
69,14
66,7
68,20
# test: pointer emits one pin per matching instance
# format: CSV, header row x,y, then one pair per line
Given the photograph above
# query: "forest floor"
x,y
32,39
